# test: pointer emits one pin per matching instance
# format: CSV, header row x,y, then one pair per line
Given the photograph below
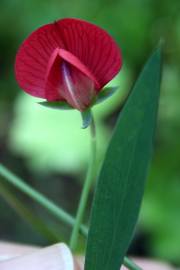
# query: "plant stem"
x,y
50,206
130,264
25,213
86,188
38,197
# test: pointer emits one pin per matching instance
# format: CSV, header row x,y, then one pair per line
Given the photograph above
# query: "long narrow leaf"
x,y
122,178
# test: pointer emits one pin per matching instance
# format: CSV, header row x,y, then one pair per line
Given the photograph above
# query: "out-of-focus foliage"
x,y
35,141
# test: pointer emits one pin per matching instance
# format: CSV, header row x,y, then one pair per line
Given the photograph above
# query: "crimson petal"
x,y
67,78
89,49
93,46
32,59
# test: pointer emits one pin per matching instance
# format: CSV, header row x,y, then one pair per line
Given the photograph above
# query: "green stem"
x,y
86,188
130,264
24,212
38,197
49,205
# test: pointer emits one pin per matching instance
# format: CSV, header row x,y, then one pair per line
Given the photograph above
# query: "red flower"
x,y
68,60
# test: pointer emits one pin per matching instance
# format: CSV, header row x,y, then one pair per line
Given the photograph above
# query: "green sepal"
x,y
86,118
106,93
60,105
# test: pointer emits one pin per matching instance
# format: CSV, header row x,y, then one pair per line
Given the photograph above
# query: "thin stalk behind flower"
x,y
84,197
86,188
27,215
55,210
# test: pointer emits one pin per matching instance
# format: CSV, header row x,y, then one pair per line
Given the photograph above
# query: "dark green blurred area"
x,y
49,149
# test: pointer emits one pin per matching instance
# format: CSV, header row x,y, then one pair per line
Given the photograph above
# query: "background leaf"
x,y
121,182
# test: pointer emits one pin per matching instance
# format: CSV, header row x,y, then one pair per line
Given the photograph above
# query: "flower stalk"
x,y
55,210
86,188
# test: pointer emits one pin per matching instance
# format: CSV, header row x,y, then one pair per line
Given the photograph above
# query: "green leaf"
x,y
60,105
86,118
105,94
120,186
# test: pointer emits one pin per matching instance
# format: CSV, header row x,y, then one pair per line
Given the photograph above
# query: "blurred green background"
x,y
50,150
